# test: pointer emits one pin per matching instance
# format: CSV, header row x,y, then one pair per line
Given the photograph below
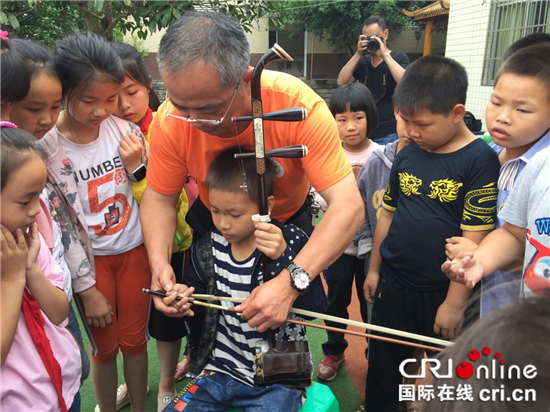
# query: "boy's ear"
x,y
458,113
270,203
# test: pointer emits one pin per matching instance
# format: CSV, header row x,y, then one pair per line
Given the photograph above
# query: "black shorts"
x,y
162,327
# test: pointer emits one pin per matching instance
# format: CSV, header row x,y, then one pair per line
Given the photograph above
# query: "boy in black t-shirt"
x,y
443,186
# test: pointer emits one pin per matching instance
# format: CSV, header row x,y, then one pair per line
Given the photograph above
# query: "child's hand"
x,y
458,244
97,310
13,255
448,320
269,240
130,149
183,306
464,269
370,285
33,244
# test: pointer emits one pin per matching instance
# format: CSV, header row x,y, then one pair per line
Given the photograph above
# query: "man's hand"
x,y
448,320
458,244
464,269
130,149
370,285
361,45
269,304
269,240
97,310
164,279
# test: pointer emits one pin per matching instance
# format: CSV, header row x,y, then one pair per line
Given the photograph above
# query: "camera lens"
x,y
372,44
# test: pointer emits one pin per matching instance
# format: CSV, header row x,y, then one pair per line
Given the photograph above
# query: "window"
x,y
510,21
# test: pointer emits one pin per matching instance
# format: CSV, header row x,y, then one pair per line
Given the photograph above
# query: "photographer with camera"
x,y
380,69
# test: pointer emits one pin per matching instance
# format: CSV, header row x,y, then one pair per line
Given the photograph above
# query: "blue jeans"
x,y
218,392
75,330
387,139
75,407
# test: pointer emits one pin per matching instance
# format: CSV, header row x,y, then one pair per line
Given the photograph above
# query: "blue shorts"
x,y
218,392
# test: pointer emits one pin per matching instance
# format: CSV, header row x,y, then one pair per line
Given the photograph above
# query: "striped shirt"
x,y
234,352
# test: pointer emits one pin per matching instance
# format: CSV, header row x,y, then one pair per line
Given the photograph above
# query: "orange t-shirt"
x,y
178,149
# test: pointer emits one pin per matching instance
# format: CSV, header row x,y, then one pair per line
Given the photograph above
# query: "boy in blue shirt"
x,y
443,186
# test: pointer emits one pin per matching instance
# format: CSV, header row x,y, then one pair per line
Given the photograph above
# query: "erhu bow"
x,y
287,363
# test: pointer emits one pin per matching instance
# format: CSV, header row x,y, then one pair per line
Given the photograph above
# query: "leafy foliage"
x,y
50,20
341,22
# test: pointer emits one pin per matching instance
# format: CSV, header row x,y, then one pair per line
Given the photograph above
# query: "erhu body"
x,y
287,363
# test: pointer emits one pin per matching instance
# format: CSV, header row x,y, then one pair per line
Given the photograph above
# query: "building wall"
x,y
466,43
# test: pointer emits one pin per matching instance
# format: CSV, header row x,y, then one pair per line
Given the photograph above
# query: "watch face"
x,y
301,280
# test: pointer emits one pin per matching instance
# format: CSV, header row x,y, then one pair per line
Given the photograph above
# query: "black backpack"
x,y
472,123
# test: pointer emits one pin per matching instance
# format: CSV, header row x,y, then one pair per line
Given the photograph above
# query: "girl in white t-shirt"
x,y
40,359
103,164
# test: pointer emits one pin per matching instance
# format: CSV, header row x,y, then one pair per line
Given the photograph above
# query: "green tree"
x,y
34,19
340,22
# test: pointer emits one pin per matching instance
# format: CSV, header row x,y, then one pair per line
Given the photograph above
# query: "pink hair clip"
x,y
4,35
5,123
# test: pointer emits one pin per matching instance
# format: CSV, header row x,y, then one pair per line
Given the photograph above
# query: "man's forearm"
x,y
158,223
334,233
346,74
395,68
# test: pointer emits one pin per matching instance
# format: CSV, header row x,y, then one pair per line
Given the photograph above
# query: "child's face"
x,y
518,113
38,112
20,195
232,215
402,133
133,101
352,127
431,131
97,103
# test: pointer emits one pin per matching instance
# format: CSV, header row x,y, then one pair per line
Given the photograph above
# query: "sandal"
x,y
361,407
181,371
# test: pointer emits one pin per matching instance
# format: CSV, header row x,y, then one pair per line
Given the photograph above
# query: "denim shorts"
x,y
217,392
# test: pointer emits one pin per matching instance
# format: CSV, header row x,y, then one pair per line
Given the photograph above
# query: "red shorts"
x,y
121,278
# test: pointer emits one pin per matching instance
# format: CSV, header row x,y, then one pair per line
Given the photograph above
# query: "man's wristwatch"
x,y
299,278
138,174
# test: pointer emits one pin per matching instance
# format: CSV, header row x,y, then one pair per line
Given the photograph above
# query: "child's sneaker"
x,y
328,368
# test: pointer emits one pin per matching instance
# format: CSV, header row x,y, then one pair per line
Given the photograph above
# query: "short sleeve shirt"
x,y
178,149
381,84
436,196
528,207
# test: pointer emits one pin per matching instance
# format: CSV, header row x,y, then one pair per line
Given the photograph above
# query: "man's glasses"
x,y
214,122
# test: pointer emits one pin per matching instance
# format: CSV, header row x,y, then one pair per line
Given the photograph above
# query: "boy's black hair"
x,y
376,19
355,97
16,80
36,57
135,68
529,40
80,59
530,61
17,146
520,334
434,83
226,174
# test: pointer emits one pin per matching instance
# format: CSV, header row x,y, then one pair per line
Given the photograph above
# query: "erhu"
x,y
287,363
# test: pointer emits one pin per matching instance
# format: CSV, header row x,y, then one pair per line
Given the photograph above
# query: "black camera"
x,y
372,43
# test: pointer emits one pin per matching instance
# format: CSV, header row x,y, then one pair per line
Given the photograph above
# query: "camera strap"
x,y
384,86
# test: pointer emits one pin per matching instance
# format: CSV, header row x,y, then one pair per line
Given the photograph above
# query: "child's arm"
x,y
96,307
371,282
13,253
500,248
457,244
269,240
450,315
52,300
131,152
